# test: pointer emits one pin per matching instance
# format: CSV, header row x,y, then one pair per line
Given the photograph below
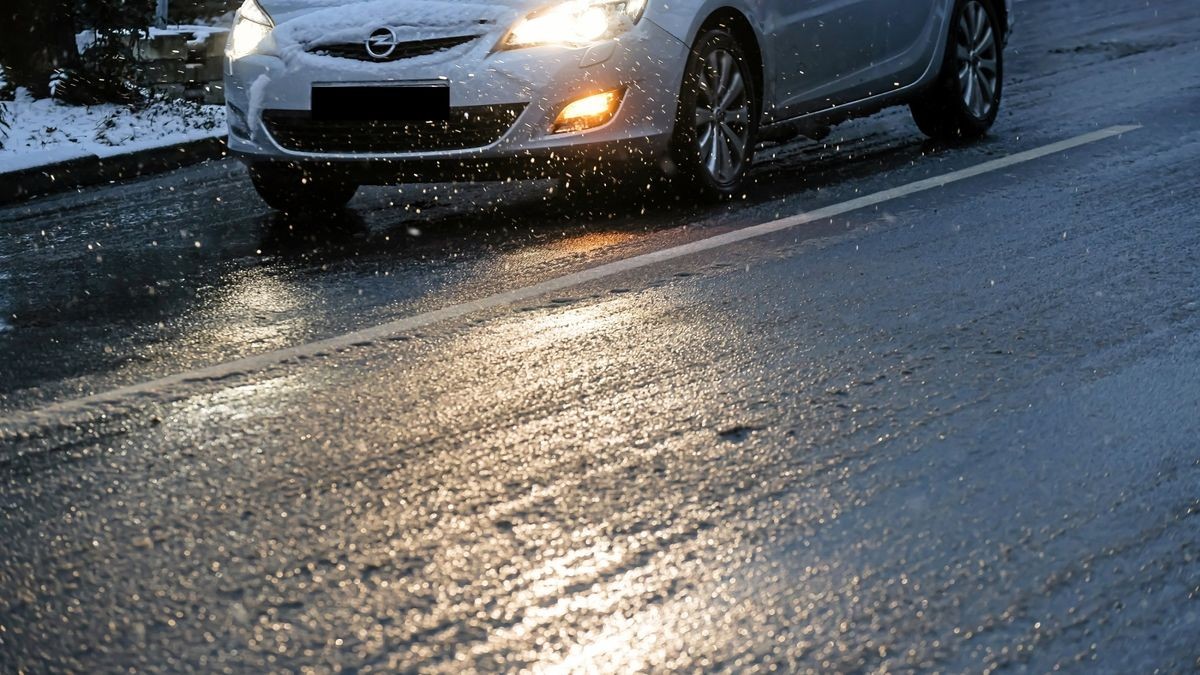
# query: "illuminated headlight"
x,y
251,25
575,23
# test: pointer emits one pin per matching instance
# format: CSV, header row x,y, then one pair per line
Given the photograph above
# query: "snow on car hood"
x,y
305,22
301,24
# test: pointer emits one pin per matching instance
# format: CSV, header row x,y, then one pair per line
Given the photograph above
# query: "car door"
x,y
830,52
907,38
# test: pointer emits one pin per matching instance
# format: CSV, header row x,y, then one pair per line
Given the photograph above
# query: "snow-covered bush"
x,y
60,81
160,116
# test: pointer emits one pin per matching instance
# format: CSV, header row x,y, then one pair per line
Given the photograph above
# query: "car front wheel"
x,y
295,188
713,143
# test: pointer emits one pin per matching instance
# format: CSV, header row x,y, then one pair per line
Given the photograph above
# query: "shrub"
x,y
45,44
106,70
6,94
7,88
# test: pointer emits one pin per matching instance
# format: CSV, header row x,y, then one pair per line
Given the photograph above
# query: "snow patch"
x,y
84,40
191,31
197,35
47,131
257,95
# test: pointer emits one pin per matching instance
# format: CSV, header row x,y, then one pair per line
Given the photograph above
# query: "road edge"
x,y
40,181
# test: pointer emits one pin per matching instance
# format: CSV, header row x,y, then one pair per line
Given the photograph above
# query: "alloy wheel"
x,y
978,57
723,116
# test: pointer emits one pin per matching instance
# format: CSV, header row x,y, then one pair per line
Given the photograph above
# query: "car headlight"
x,y
251,25
575,23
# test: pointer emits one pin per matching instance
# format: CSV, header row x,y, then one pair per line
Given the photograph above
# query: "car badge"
x,y
382,43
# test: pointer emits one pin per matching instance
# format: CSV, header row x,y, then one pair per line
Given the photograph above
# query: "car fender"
x,y
684,18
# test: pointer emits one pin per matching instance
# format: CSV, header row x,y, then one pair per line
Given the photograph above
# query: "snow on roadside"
x,y
194,32
46,131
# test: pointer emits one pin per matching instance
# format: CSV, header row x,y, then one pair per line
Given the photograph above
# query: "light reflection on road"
x,y
256,308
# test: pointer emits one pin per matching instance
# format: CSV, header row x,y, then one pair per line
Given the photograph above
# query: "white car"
x,y
327,95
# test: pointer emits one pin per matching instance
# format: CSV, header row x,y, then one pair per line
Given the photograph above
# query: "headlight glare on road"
x,y
588,112
575,23
251,26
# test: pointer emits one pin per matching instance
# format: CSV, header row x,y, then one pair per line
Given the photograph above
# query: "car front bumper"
x,y
647,63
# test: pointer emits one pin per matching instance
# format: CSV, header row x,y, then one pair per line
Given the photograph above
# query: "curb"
x,y
17,186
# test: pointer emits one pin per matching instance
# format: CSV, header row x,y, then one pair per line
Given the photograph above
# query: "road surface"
x,y
949,423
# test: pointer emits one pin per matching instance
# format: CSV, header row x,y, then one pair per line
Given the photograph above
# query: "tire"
x,y
712,146
295,188
958,106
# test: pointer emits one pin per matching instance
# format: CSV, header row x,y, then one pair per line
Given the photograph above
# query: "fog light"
x,y
588,112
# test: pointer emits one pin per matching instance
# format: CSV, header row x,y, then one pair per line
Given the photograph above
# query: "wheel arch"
x,y
747,36
684,19
1004,12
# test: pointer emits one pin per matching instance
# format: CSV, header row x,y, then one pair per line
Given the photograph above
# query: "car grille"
x,y
469,127
404,50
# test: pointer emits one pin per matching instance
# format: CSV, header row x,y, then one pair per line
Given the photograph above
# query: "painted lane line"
x,y
154,388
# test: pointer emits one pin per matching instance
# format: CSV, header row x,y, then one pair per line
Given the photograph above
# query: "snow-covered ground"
x,y
46,131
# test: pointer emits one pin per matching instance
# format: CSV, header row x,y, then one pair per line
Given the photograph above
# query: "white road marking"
x,y
151,389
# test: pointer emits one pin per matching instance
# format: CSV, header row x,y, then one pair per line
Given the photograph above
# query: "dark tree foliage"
x,y
7,88
106,69
44,57
38,38
6,94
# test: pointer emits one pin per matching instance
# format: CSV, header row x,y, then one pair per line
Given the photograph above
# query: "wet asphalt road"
x,y
954,432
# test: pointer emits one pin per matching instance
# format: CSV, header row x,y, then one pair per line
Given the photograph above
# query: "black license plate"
x,y
426,103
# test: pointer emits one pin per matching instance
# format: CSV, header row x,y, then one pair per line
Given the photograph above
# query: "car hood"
x,y
308,20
